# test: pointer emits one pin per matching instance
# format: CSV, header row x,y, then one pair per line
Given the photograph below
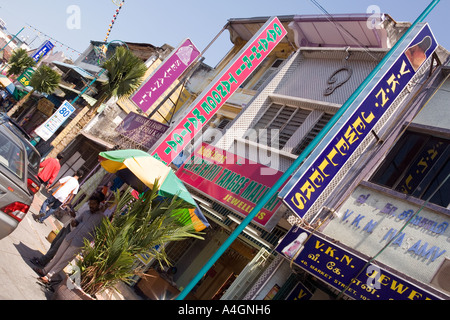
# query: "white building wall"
x,y
435,115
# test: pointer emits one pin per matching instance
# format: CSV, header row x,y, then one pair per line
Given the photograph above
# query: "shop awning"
x,y
97,140
338,30
64,67
7,84
91,101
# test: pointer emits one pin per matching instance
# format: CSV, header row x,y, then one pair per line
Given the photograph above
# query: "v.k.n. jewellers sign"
x,y
346,271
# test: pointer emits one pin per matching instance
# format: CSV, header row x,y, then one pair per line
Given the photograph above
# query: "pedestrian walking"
x,y
45,259
72,244
67,187
49,170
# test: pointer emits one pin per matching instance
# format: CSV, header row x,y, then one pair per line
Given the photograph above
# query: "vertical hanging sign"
x,y
166,74
221,88
330,156
49,127
43,50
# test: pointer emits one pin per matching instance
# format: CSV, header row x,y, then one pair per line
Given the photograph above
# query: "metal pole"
x,y
189,72
88,86
299,160
15,36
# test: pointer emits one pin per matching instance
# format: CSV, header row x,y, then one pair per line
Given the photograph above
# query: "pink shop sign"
x,y
166,74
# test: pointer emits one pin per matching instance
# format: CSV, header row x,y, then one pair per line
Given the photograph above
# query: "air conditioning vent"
x,y
441,279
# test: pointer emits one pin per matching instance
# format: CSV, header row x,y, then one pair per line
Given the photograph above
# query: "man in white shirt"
x,y
67,187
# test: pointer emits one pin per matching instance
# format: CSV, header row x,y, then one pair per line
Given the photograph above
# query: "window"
x,y
223,123
278,124
267,74
312,134
214,135
12,157
418,165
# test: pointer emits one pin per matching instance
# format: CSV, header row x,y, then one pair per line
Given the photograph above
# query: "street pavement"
x,y
18,281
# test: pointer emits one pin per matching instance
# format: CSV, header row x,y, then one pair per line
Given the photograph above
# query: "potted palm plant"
x,y
44,80
137,227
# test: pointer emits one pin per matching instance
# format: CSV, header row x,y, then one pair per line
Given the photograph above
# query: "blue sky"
x,y
171,21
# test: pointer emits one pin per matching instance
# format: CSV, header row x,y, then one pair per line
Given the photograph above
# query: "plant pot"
x,y
51,236
67,290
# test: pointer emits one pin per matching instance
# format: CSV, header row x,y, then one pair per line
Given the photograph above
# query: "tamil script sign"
x,y
166,74
344,270
141,130
49,127
234,181
300,292
370,219
330,156
223,86
43,50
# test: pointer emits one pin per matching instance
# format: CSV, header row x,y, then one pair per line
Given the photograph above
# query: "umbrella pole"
x,y
300,159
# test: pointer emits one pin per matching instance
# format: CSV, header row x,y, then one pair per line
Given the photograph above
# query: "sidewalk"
x,y
18,281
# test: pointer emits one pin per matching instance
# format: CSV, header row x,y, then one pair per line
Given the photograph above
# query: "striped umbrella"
x,y
140,170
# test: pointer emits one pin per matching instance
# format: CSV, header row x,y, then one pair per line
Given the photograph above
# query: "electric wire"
x,y
339,26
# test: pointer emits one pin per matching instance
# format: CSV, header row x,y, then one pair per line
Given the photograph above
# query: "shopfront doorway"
x,y
188,257
82,154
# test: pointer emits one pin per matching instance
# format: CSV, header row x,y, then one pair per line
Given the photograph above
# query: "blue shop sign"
x,y
300,292
330,156
43,50
344,270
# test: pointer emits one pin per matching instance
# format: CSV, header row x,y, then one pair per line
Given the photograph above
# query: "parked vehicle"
x,y
15,199
34,158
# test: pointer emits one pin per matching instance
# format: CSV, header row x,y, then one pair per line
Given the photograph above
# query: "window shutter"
x,y
285,119
270,71
312,134
292,125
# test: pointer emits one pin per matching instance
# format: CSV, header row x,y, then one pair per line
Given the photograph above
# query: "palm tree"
x,y
124,73
44,80
19,62
144,227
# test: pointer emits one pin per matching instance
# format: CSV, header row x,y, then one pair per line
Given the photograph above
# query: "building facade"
x,y
329,60
283,106
385,215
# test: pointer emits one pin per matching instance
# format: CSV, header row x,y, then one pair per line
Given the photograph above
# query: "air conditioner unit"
x,y
441,279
